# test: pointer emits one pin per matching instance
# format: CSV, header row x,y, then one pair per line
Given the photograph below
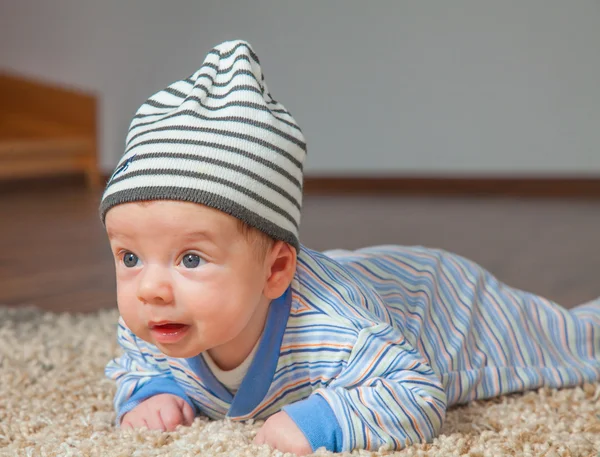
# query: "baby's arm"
x,y
141,385
386,395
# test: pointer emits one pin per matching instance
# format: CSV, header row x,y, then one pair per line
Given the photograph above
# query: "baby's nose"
x,y
155,287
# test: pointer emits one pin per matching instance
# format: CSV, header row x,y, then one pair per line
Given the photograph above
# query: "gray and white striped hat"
x,y
219,139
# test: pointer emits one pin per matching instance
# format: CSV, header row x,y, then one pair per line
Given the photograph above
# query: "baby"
x,y
224,313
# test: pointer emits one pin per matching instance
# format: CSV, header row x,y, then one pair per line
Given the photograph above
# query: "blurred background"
x,y
469,126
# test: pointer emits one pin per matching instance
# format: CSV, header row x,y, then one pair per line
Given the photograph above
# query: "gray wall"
x,y
382,87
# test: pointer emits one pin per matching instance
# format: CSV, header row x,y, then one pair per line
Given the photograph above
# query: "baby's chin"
x,y
176,352
181,350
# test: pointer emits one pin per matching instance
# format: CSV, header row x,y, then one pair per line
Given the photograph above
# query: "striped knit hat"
x,y
219,139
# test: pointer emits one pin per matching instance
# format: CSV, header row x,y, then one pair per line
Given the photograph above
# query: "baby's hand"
x,y
281,433
160,412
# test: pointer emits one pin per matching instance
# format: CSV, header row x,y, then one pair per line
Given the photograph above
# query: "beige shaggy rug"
x,y
54,401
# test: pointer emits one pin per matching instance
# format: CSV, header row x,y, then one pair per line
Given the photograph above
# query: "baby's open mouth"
x,y
168,327
168,332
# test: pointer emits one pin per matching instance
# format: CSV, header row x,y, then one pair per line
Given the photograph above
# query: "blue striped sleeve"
x,y
387,396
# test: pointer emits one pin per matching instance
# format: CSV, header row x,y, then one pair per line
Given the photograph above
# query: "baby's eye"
x,y
130,259
191,260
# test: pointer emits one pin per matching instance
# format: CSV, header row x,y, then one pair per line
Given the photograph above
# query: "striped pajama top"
x,y
368,348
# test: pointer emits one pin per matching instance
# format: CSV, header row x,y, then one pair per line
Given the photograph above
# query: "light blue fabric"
x,y
317,421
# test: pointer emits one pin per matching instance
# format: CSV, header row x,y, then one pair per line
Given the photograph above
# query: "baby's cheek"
x,y
130,314
215,317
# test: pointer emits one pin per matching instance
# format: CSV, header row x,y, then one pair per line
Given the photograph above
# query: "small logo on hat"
x,y
122,168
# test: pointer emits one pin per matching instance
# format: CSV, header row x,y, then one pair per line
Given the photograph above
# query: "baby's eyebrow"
x,y
199,234
111,234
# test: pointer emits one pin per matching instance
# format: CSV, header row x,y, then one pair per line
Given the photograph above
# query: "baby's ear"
x,y
281,267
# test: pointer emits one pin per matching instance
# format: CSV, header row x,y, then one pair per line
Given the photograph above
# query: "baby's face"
x,y
187,279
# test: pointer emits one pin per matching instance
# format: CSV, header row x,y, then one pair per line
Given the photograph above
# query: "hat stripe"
x,y
195,84
252,122
202,73
199,181
230,52
221,71
171,90
270,101
226,166
180,146
216,108
236,74
214,131
245,88
193,81
222,147
284,142
208,95
198,100
212,178
238,152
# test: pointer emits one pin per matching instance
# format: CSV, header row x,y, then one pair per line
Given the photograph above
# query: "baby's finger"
x,y
259,438
188,413
154,422
171,416
126,425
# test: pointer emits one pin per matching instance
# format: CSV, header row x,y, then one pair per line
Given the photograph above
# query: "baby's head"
x,y
203,209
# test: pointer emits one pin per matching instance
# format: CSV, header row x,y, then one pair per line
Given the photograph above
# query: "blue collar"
x,y
257,381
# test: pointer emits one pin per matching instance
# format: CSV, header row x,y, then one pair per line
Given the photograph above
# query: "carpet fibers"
x,y
54,401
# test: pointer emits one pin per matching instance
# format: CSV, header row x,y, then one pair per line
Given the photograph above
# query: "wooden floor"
x,y
54,253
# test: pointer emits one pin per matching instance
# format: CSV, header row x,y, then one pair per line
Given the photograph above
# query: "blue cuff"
x,y
156,386
315,418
